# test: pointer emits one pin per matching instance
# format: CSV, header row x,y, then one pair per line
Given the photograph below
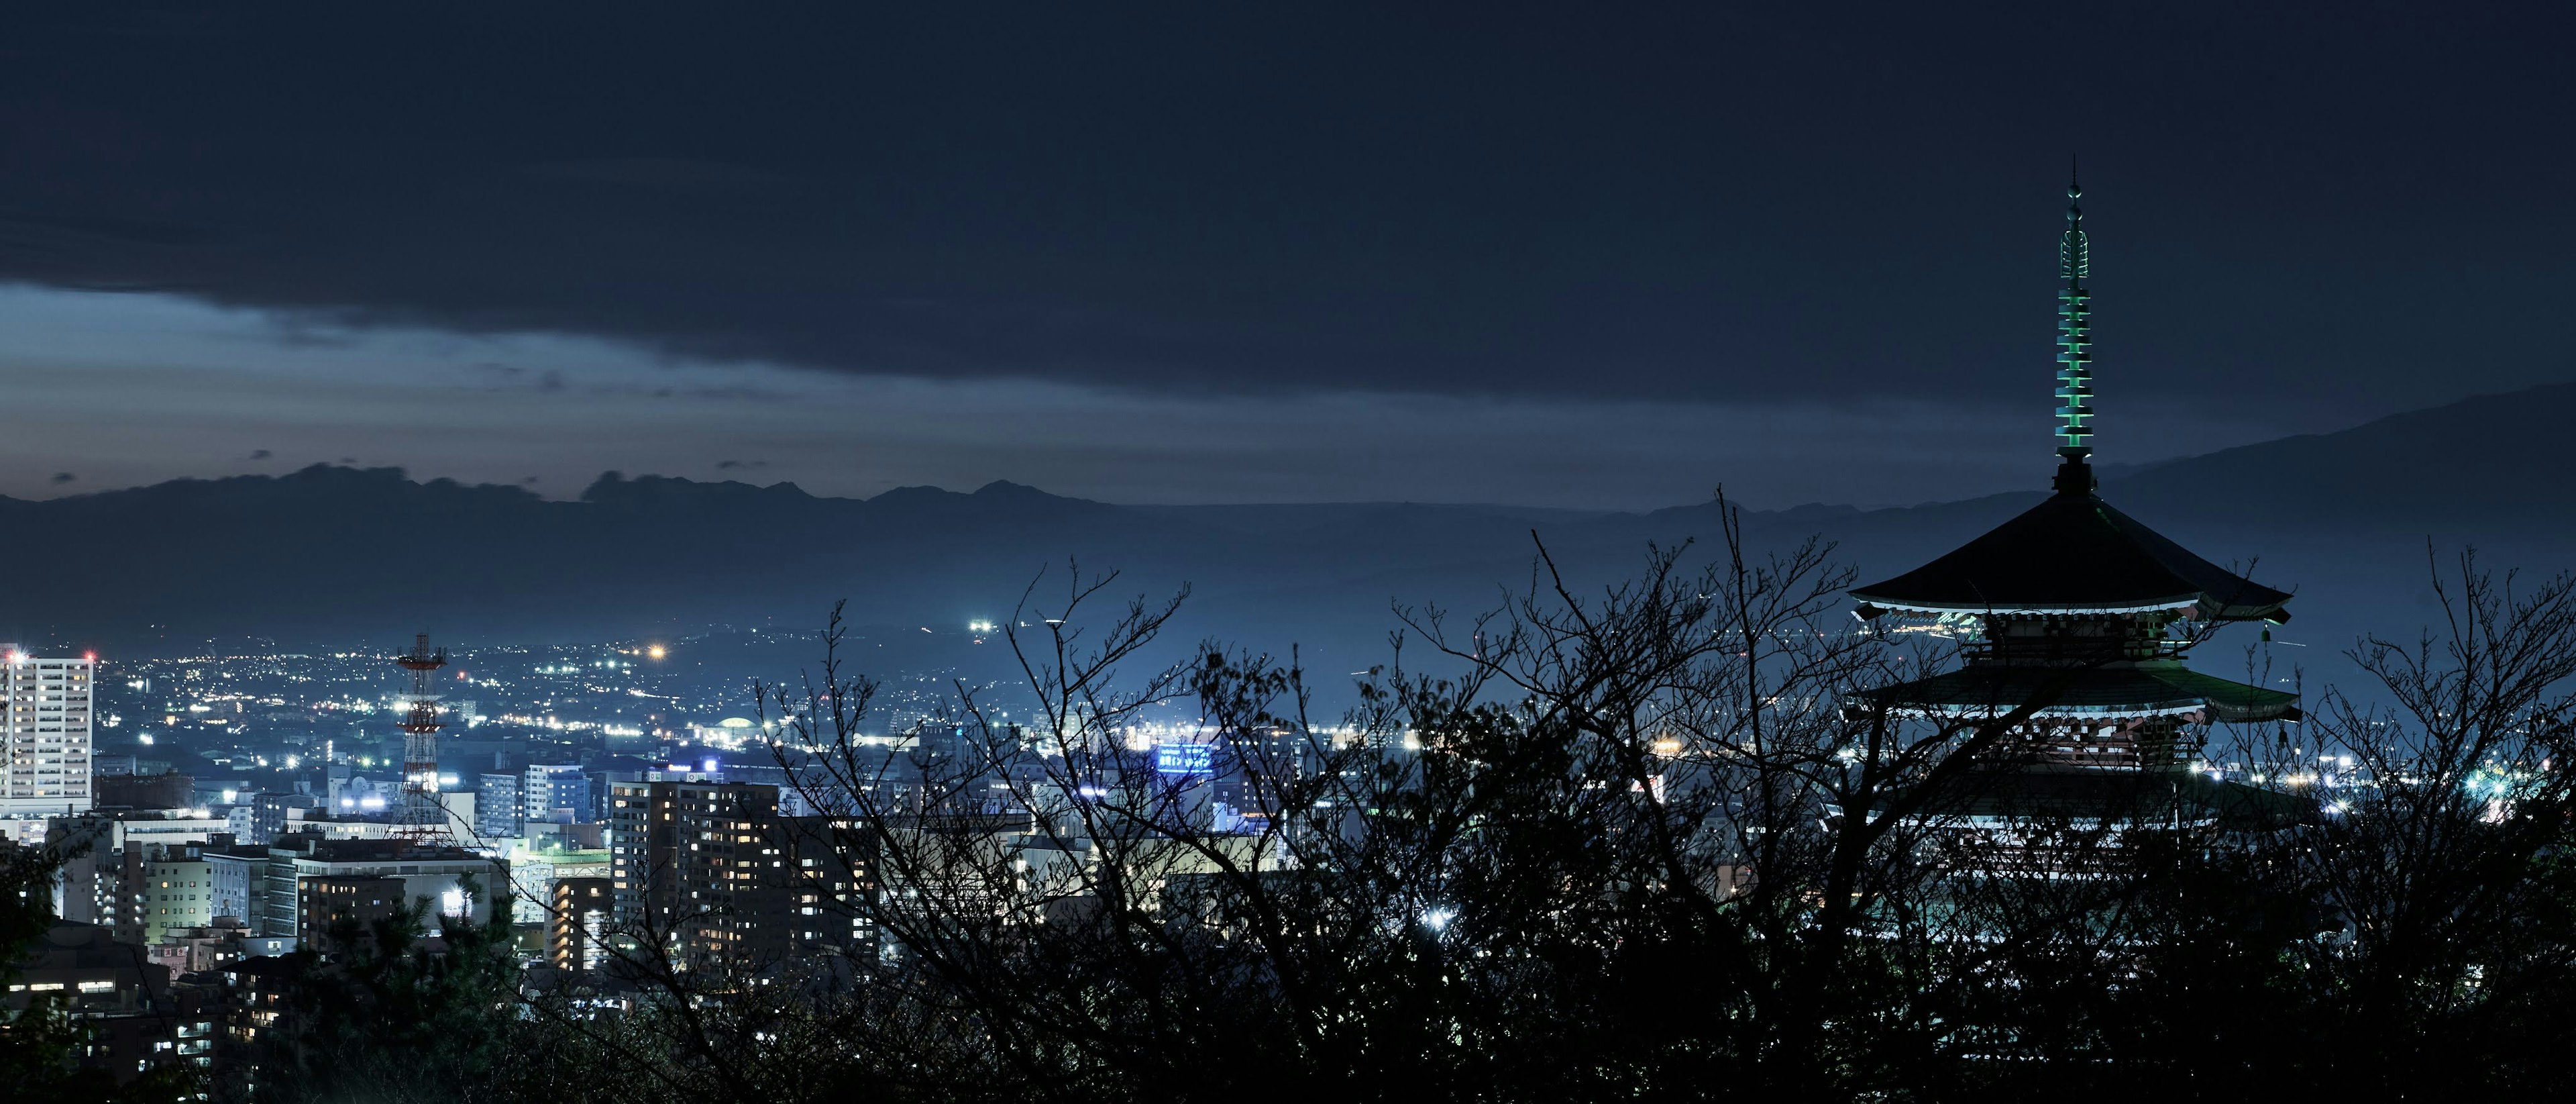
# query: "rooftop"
x,y
2074,554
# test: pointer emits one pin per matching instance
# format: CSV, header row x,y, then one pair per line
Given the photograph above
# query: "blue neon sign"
x,y
1185,760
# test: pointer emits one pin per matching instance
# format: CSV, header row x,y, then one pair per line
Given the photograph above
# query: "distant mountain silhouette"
x,y
344,555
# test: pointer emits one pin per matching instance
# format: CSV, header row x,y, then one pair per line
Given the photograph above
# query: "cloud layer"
x,y
129,388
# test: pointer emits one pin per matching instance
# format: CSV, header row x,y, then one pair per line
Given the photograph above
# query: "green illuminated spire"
x,y
2074,336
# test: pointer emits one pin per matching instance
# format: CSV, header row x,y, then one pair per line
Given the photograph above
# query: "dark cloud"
x,y
727,464
63,477
1694,202
261,454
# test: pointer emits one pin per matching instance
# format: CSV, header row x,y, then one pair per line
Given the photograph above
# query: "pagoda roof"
x,y
2073,554
2152,688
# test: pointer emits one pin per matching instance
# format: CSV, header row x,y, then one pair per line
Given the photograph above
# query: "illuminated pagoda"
x,y
2084,615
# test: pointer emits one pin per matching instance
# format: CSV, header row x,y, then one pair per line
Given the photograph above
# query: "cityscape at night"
x,y
825,554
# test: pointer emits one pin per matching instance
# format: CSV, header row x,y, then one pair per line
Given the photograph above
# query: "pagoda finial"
x,y
2074,346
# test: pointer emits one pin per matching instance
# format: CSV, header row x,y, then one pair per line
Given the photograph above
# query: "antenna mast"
x,y
424,818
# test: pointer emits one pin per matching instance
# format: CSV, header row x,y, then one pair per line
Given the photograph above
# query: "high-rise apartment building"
x,y
45,731
713,870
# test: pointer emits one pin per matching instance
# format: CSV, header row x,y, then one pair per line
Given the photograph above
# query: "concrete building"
x,y
169,790
535,871
430,872
577,917
177,890
326,902
214,947
44,733
104,879
714,870
125,1000
271,811
545,789
497,810
233,873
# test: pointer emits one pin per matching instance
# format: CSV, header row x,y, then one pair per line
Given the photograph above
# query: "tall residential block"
x,y
45,730
713,871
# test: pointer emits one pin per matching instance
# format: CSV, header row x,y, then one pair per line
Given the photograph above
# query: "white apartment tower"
x,y
45,730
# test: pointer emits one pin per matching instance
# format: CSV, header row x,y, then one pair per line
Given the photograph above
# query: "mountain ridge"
x,y
338,553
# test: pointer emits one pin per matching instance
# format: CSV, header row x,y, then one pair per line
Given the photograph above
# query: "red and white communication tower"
x,y
424,818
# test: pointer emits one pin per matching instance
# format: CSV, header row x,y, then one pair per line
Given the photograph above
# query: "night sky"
x,y
1557,254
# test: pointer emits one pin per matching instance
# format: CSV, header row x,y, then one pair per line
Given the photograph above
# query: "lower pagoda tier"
x,y
2112,692
2059,822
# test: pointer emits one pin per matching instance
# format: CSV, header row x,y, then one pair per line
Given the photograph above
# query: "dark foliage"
x,y
1625,844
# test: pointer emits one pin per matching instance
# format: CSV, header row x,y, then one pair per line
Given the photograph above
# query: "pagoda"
x,y
2078,619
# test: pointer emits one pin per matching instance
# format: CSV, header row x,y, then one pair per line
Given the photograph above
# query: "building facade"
x,y
124,1000
546,789
326,902
168,790
577,918
721,879
178,890
45,733
432,872
104,878
497,810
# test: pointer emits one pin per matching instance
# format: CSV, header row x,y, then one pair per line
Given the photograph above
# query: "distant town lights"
x,y
655,651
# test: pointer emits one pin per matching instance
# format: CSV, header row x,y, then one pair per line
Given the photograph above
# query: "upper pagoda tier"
x,y
2074,554
2074,603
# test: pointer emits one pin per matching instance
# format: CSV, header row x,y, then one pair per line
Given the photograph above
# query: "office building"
x,y
546,789
177,890
497,810
431,872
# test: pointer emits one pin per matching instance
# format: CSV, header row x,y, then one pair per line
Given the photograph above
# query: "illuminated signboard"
x,y
1186,760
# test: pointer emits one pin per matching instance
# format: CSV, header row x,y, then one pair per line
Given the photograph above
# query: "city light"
x,y
655,651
